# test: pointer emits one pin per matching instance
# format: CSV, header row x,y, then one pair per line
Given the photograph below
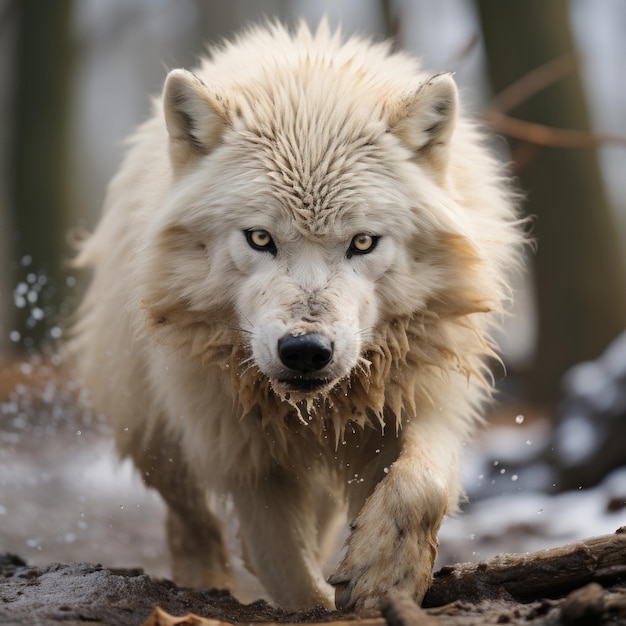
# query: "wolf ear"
x,y
425,121
193,116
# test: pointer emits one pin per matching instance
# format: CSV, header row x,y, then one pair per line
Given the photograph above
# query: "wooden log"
x,y
525,577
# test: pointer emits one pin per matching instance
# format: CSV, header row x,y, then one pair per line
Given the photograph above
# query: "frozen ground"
x,y
64,497
517,510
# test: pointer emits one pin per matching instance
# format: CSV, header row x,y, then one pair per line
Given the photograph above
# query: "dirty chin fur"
x,y
382,389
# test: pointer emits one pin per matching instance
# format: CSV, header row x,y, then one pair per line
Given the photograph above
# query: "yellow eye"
x,y
362,244
260,239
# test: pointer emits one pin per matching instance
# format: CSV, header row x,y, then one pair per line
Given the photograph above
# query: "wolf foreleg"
x,y
281,540
393,543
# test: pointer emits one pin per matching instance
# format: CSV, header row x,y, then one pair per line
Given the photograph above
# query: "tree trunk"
x,y
38,177
579,268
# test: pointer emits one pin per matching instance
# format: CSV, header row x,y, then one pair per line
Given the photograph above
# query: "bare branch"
x,y
542,135
539,134
528,85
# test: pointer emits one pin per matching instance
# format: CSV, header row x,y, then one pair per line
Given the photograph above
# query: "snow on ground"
x,y
525,521
65,499
514,500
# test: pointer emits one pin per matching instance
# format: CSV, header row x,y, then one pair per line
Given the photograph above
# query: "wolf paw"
x,y
375,563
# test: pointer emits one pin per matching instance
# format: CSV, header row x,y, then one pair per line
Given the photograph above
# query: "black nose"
x,y
305,353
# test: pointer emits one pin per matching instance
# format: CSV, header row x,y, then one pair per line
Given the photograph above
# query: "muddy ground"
x,y
581,584
82,593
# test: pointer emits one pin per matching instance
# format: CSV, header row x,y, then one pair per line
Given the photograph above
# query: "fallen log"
x,y
525,577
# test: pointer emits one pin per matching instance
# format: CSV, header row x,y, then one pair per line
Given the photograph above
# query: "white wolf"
x,y
293,286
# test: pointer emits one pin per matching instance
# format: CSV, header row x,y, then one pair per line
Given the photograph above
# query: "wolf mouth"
x,y
304,384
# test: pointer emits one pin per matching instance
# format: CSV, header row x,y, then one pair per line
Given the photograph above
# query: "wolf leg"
x,y
198,555
278,530
393,539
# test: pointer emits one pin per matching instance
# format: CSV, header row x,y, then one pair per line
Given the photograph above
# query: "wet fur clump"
x,y
296,185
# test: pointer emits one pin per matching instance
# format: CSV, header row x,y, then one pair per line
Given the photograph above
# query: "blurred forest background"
x,y
549,78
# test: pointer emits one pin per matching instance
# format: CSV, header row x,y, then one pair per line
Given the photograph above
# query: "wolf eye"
x,y
260,239
362,244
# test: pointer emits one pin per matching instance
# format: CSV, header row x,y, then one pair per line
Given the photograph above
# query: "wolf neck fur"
x,y
377,394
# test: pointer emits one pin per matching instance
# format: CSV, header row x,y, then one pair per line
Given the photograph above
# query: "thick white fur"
x,y
314,140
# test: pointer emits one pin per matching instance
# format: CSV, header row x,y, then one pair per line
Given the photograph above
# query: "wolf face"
x,y
315,231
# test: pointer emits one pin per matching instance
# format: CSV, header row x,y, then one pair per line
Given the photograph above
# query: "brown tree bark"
x,y
525,577
579,267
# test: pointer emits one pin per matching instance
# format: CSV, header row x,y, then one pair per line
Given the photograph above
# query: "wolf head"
x,y
314,204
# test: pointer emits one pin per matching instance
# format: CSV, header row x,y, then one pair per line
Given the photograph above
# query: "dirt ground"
x,y
580,584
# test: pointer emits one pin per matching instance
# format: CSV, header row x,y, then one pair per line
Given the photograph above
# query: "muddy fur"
x,y
298,185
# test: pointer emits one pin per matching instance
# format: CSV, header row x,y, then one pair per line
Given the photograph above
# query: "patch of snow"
x,y
526,522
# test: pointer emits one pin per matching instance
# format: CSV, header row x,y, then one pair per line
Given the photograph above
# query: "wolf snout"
x,y
310,352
